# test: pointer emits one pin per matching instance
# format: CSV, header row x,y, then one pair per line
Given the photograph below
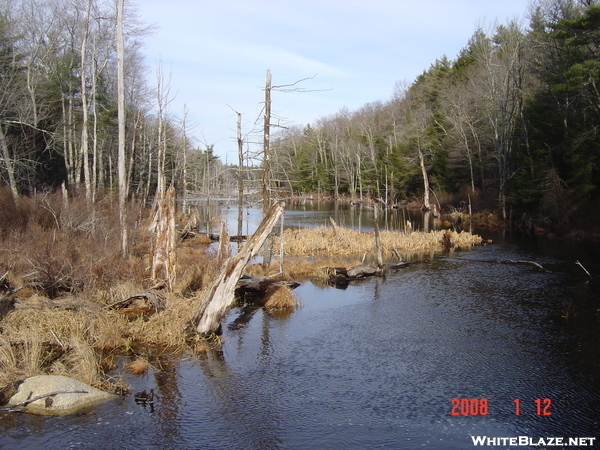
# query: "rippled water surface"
x,y
375,366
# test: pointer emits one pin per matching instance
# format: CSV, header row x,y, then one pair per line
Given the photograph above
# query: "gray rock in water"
x,y
68,395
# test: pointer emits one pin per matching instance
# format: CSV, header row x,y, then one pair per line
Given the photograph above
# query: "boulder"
x,y
55,395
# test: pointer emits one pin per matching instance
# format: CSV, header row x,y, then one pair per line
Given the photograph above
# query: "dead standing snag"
x,y
208,317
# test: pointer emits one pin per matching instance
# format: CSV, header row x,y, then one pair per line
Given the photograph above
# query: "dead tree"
x,y
220,295
163,250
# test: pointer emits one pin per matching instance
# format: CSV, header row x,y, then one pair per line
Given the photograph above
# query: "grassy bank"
x,y
66,258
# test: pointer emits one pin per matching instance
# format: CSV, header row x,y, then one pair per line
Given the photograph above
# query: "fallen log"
x,y
207,319
258,285
144,303
341,277
362,271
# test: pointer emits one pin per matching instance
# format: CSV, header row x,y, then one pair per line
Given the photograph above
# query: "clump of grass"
x,y
280,297
138,366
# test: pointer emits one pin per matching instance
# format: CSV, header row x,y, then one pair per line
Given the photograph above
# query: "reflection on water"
x,y
310,214
374,365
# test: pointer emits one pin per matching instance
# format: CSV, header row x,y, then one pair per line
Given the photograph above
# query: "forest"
x,y
509,125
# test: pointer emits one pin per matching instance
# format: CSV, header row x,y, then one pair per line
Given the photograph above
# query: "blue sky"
x,y
216,53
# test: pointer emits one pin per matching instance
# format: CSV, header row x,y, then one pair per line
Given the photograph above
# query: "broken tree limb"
x,y
397,254
533,263
23,404
584,269
207,319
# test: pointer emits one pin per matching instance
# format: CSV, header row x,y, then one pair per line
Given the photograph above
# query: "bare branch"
x,y
285,87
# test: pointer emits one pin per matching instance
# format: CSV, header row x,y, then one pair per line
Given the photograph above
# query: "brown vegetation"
x,y
344,242
82,306
66,257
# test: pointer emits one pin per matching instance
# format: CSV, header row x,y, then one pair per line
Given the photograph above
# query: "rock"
x,y
67,395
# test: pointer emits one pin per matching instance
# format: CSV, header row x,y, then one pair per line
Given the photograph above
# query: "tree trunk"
x,y
218,298
121,169
266,140
426,203
240,143
9,164
84,109
267,165
377,239
163,251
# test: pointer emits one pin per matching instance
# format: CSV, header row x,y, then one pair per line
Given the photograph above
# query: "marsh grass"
x,y
280,297
138,366
67,259
344,242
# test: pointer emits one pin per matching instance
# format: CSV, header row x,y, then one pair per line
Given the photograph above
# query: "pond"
x,y
385,363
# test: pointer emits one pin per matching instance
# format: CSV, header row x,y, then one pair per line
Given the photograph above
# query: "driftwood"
x,y
257,285
207,319
533,263
362,271
584,269
21,405
341,277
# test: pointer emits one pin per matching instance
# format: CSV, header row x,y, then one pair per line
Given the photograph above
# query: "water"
x,y
376,365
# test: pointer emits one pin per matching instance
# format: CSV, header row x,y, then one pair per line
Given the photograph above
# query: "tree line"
x,y
59,106
512,121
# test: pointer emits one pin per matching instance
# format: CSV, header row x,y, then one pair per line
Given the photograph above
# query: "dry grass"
x,y
79,342
280,297
66,257
138,366
345,242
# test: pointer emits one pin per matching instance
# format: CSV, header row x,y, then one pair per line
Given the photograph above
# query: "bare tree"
x,y
122,172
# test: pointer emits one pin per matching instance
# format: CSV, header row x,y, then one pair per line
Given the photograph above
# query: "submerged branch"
x,y
533,263
584,269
